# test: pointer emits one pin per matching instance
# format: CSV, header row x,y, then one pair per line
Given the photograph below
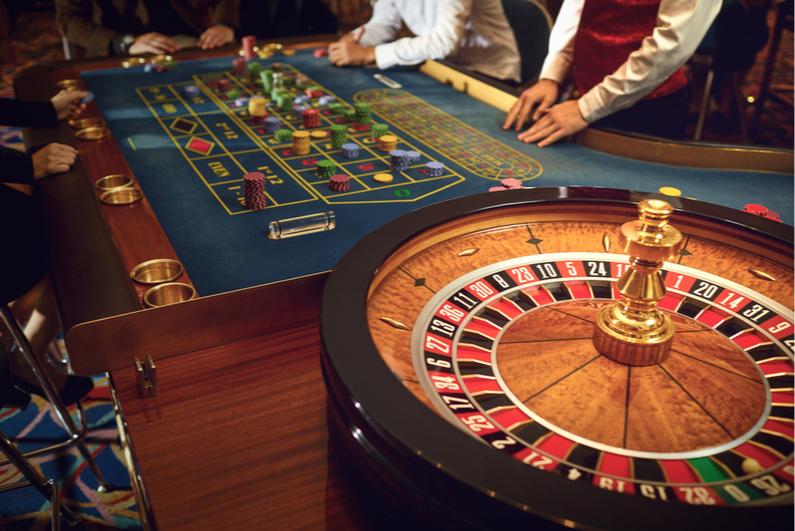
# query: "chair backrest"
x,y
531,25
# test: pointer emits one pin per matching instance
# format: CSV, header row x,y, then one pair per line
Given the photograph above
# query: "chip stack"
x,y
311,118
301,142
254,68
254,190
272,124
335,107
350,115
289,79
299,111
313,92
302,81
224,85
191,91
339,135
399,160
414,156
277,67
387,143
511,183
362,118
326,168
379,130
325,100
350,151
434,169
339,183
283,135
232,94
267,80
256,108
285,102
242,101
249,43
301,99
239,66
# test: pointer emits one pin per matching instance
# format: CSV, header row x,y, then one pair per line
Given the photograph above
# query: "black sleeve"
x,y
17,166
18,113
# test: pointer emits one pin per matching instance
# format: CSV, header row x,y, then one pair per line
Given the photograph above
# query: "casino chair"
x,y
531,25
47,487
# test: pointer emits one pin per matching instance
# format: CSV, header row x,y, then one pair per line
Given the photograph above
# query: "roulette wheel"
x,y
467,391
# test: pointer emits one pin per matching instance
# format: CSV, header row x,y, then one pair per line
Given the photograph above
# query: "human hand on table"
x,y
153,43
560,121
67,103
53,158
543,94
215,37
347,51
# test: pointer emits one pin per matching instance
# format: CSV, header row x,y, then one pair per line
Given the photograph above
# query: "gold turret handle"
x,y
632,330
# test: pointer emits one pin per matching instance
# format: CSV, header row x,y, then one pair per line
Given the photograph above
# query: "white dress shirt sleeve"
x,y
561,41
442,41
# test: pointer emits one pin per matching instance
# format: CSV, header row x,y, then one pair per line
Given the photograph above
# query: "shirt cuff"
x,y
592,107
554,68
386,55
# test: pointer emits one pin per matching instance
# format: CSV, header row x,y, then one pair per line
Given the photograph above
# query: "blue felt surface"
x,y
223,247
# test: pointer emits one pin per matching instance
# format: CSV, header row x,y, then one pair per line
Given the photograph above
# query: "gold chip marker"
x,y
633,330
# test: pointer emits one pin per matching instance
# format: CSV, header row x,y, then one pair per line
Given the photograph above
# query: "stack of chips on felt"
x,y
414,156
256,108
361,121
762,211
224,85
313,92
283,135
434,169
350,151
311,118
325,100
267,80
232,94
387,143
277,67
350,115
254,69
302,81
254,190
335,107
399,160
379,130
339,183
239,66
272,124
299,111
326,168
285,102
301,142
191,91
249,43
339,135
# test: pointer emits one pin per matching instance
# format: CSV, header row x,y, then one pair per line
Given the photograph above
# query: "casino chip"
x,y
383,178
326,168
311,118
191,91
511,183
272,124
414,156
254,190
283,135
319,135
339,183
434,169
320,52
88,98
301,143
350,151
387,143
669,190
379,130
339,135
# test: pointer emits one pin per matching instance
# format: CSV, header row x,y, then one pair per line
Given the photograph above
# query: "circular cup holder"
x,y
109,182
169,293
156,271
123,195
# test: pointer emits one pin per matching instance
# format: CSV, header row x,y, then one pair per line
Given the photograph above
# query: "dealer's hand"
x,y
215,37
53,158
560,121
153,43
67,103
543,94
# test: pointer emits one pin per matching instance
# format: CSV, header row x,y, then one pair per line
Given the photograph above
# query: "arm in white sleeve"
x,y
443,40
681,25
561,41
382,26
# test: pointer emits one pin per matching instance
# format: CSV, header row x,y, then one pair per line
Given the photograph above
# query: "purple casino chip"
x,y
434,169
89,97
